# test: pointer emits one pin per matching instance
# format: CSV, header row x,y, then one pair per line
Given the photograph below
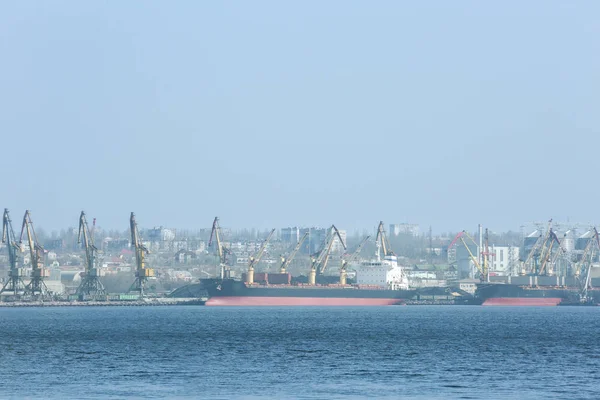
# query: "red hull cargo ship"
x,y
229,292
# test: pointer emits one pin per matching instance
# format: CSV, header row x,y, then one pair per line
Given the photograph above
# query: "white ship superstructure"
x,y
384,272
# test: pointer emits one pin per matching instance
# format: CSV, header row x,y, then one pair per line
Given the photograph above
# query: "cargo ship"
x,y
499,294
535,291
378,282
230,292
278,289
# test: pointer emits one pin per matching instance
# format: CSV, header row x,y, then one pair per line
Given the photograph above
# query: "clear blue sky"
x,y
280,113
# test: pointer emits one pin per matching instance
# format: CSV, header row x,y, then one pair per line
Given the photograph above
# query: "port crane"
x,y
36,286
90,284
530,265
481,265
319,263
15,284
587,259
254,259
222,251
525,265
548,254
486,255
285,261
142,273
350,259
383,243
483,273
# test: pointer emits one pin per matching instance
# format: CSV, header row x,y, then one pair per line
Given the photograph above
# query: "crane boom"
x,y
543,249
588,281
473,258
353,257
216,233
254,259
383,242
532,252
142,272
222,251
455,240
549,256
319,263
8,237
27,229
481,265
589,254
88,243
36,286
90,284
285,262
325,258
14,284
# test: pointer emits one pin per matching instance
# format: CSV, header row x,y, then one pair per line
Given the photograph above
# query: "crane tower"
x,y
141,272
253,260
90,284
36,287
350,259
222,251
15,285
321,258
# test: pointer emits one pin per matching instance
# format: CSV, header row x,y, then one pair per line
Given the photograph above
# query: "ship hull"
x,y
514,295
522,301
235,293
297,301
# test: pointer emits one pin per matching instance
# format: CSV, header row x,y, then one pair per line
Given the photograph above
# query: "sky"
x,y
273,114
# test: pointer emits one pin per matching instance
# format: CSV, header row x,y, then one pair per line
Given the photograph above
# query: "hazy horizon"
x,y
270,114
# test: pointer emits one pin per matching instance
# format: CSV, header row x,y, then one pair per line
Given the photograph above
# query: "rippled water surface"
x,y
312,353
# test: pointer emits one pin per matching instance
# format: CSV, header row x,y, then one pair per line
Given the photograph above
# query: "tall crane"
x,y
587,259
352,258
285,261
319,263
222,251
483,272
142,273
90,284
531,263
36,286
460,237
550,255
15,284
383,243
485,256
525,265
548,247
253,260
